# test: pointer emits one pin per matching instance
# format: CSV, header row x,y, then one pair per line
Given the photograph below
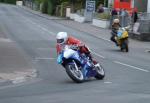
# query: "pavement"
x,y
14,65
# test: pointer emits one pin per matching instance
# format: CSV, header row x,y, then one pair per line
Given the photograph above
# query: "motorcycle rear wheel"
x,y
124,45
100,72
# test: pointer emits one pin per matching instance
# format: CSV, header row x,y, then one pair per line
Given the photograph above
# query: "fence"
x,y
141,29
144,20
144,16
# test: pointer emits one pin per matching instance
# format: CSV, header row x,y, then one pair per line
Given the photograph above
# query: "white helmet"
x,y
116,21
61,37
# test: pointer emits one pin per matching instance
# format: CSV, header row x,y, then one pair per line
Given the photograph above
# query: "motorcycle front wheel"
x,y
74,73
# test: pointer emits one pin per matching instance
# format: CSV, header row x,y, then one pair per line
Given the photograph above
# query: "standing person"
x,y
120,11
124,17
134,15
100,8
113,14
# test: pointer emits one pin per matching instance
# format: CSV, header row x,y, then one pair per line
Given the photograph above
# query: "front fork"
x,y
76,67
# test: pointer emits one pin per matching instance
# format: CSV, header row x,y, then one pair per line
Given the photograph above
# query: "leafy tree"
x,y
8,1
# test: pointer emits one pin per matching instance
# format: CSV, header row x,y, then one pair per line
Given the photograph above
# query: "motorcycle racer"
x,y
63,39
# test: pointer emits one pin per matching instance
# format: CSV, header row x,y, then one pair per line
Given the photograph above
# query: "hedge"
x,y
8,1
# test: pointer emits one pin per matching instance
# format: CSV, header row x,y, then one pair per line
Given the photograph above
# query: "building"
x,y
141,5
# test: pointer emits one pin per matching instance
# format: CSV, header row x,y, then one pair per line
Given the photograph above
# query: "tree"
x,y
8,1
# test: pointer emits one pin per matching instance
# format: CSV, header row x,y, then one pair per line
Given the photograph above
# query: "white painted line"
x,y
106,39
5,40
45,58
98,55
107,82
134,67
41,27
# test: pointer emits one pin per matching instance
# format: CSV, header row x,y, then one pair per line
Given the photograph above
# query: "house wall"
x,y
141,5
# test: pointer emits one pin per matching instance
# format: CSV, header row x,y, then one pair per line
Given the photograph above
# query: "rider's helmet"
x,y
116,21
61,37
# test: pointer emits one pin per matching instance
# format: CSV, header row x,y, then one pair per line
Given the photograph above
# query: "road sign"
x,y
89,10
90,6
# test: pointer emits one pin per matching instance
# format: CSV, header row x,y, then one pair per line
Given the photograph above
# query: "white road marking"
x,y
44,58
44,29
134,67
106,39
107,82
98,55
5,40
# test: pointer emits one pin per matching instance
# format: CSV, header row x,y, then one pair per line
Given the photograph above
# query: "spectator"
x,y
124,17
100,8
124,12
120,11
114,12
114,15
134,15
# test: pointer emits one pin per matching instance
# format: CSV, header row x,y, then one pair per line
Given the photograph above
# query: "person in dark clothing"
x,y
134,15
115,26
100,8
113,14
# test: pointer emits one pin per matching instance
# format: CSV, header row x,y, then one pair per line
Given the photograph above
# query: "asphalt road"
x,y
127,74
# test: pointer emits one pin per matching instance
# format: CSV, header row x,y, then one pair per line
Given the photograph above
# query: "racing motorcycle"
x,y
122,39
78,66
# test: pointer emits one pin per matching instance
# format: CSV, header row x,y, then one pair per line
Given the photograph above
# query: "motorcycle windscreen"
x,y
68,53
59,58
119,34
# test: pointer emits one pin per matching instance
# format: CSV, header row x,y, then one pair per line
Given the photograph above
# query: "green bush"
x,y
103,16
63,8
50,7
45,6
9,1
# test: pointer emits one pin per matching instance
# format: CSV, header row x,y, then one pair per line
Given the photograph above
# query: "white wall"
x,y
148,6
19,3
110,2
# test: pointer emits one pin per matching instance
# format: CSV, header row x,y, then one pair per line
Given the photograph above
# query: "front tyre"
x,y
74,74
100,72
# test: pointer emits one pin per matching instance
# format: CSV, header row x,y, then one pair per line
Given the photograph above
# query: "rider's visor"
x,y
60,40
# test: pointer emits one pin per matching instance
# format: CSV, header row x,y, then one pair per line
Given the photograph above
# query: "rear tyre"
x,y
100,72
127,49
124,46
75,75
